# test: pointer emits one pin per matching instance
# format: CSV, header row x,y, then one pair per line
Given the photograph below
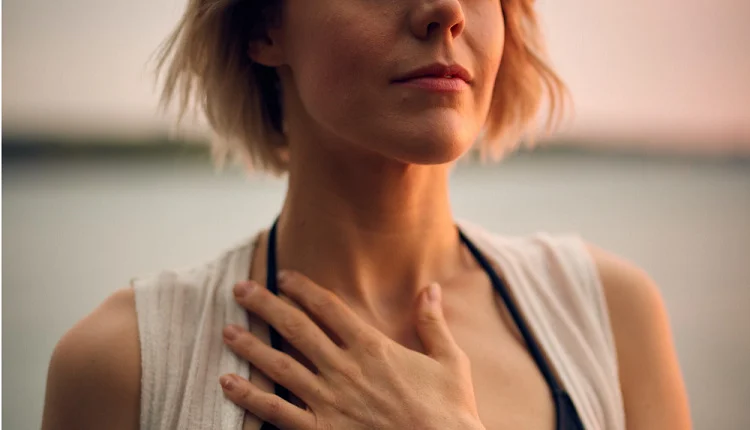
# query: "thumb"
x,y
431,325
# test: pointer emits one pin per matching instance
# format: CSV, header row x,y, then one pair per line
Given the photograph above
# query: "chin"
x,y
427,149
432,152
432,143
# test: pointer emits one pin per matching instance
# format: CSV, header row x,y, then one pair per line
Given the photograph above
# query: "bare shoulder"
x,y
627,287
650,377
95,372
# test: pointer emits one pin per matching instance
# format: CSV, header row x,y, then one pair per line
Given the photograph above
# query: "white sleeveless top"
x,y
181,314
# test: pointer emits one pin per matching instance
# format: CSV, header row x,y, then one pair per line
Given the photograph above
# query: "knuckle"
x,y
292,326
352,374
324,304
322,397
327,396
272,407
363,335
280,366
247,396
428,318
374,347
257,300
246,347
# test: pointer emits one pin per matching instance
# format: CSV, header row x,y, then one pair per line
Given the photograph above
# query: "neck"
x,y
374,232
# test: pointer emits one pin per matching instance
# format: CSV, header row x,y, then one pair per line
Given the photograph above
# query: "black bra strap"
x,y
502,290
497,284
272,285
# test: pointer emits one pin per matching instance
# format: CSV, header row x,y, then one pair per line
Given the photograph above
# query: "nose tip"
x,y
438,18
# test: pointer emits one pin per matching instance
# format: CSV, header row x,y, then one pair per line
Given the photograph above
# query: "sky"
x,y
658,72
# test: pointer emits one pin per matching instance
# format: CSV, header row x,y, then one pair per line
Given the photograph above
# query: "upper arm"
x,y
650,376
94,374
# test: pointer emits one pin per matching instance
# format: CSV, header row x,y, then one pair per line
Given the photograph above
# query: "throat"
x,y
378,273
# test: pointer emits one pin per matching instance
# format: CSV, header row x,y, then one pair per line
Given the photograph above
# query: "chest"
x,y
510,391
511,394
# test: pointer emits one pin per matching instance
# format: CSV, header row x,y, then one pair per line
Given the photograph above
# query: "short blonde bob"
x,y
207,66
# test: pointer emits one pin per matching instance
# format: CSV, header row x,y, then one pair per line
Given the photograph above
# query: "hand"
x,y
366,381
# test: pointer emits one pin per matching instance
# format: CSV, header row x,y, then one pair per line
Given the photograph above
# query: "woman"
x,y
366,104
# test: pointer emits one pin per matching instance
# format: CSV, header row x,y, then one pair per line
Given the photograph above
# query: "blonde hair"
x,y
208,67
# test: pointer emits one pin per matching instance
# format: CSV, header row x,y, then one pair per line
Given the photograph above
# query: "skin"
x,y
357,378
368,190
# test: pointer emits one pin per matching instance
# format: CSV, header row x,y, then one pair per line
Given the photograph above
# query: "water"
x,y
76,230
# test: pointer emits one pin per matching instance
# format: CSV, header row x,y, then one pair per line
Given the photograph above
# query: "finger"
x,y
266,406
433,329
277,365
324,306
291,323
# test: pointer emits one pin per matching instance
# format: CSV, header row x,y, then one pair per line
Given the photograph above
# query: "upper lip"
x,y
438,70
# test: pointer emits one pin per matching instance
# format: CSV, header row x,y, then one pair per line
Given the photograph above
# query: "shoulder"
x,y
568,261
180,314
556,265
95,378
637,312
177,298
171,295
632,296
94,374
613,304
651,380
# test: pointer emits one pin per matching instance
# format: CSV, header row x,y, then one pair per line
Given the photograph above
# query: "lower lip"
x,y
440,85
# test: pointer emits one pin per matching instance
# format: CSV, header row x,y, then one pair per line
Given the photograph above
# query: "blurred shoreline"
x,y
25,147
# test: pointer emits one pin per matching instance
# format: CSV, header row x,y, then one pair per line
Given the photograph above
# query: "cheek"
x,y
333,64
487,42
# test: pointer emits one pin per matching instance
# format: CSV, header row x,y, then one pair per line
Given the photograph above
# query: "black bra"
x,y
566,415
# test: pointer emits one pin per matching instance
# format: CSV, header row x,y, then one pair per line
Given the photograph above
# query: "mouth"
x,y
437,72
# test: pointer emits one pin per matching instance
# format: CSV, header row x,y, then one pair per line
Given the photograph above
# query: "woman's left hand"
x,y
367,382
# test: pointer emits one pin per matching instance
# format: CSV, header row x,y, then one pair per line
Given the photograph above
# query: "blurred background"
x,y
654,166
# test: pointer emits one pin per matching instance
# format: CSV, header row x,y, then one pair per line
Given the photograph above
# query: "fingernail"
x,y
433,292
282,278
231,332
226,382
243,289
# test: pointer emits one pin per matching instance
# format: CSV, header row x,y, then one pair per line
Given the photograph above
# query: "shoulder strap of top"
x,y
556,287
180,317
567,417
528,337
558,292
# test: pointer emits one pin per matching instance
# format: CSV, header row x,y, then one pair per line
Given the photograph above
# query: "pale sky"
x,y
666,71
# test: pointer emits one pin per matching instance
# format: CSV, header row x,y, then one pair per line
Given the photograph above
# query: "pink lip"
x,y
437,77
441,85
